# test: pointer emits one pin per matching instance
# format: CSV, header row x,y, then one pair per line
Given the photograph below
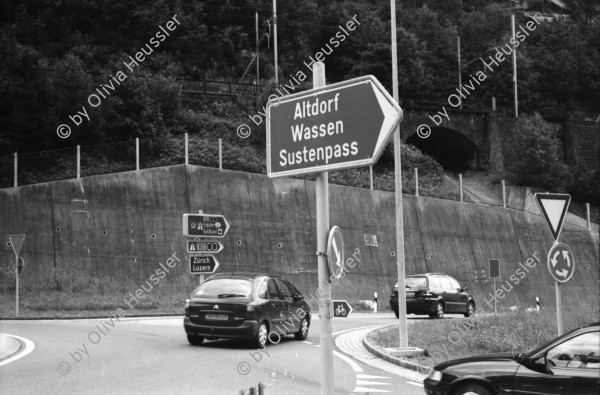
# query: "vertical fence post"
x,y
416,181
371,176
503,194
587,213
186,149
16,167
461,187
137,153
78,161
220,154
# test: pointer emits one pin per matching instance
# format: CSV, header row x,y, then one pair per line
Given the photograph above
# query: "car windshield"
x,y
224,288
415,282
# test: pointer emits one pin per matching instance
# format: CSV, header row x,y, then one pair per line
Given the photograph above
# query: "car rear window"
x,y
415,282
224,287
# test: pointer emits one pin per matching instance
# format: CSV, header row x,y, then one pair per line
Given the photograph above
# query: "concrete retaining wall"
x,y
124,224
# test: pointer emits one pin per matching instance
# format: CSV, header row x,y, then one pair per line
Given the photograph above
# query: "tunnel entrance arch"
x,y
452,149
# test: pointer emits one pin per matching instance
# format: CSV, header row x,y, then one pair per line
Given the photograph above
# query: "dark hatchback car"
x,y
569,364
434,294
250,306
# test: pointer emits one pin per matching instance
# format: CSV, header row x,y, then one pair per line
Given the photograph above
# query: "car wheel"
x,y
473,389
262,335
195,340
303,331
439,311
470,309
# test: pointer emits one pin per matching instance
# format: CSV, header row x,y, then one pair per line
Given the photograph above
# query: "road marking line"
x,y
368,376
356,367
368,390
366,382
29,347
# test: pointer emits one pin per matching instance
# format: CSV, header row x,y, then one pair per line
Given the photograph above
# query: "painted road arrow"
x,y
205,225
334,127
203,264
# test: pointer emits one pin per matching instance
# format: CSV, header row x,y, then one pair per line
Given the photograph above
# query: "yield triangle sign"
x,y
554,206
17,242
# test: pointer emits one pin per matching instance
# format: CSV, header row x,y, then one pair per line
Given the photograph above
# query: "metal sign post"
x,y
560,260
322,192
495,273
16,241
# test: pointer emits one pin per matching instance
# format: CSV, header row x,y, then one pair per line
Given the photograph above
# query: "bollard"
x,y
537,304
375,302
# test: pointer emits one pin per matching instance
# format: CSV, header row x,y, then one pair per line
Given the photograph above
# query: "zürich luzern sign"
x,y
337,126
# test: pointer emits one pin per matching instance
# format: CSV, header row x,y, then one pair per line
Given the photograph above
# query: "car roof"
x,y
246,275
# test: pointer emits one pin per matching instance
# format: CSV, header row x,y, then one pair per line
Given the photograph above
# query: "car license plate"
x,y
217,317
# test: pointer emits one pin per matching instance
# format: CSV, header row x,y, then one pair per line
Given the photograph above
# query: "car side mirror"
x,y
298,298
464,288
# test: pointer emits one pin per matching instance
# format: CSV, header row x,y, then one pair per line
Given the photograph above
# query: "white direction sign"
x,y
337,126
335,252
17,242
561,262
554,207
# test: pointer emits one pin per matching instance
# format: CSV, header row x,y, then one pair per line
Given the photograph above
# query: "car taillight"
x,y
187,303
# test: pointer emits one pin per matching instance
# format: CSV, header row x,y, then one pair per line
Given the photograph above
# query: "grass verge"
x,y
455,338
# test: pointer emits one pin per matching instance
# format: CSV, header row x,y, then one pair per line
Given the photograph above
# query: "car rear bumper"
x,y
247,330
416,306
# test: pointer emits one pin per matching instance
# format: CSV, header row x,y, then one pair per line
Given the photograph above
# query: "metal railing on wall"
x,y
20,169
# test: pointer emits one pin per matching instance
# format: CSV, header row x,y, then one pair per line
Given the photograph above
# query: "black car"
x,y
569,364
252,306
434,294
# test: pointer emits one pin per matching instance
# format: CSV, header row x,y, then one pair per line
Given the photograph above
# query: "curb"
x,y
90,317
9,346
381,353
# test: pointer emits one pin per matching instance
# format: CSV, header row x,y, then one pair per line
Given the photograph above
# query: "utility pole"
x,y
459,72
257,65
275,40
514,54
403,329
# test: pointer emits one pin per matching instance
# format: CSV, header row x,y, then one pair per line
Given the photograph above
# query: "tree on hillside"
x,y
537,160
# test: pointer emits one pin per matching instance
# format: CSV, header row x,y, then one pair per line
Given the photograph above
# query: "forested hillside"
x,y
53,54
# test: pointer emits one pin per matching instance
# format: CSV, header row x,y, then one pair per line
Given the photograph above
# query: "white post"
x,y
78,161
375,302
402,327
16,169
371,176
587,214
460,186
220,154
137,153
503,194
416,181
322,192
186,150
